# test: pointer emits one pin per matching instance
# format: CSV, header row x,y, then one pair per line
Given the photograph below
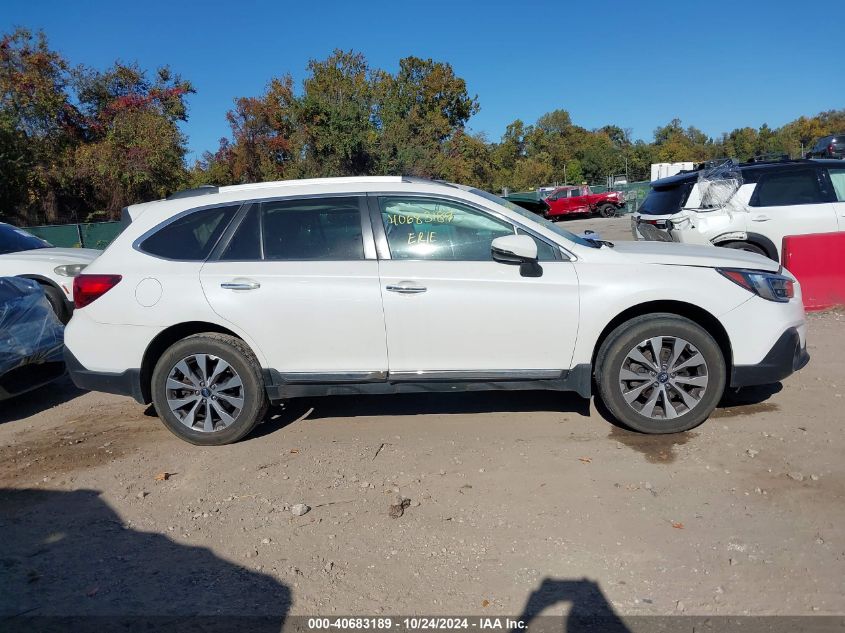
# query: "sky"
x,y
716,65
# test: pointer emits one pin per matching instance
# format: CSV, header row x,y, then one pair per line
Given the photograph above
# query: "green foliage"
x,y
79,143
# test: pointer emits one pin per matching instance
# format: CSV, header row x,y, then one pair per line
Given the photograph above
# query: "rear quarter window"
x,y
666,200
190,237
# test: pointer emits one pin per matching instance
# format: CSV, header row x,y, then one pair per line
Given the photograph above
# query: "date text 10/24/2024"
x,y
416,623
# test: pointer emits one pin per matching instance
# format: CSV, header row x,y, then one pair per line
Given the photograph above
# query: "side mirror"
x,y
518,250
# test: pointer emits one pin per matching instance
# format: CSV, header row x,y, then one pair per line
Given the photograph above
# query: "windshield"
x,y
666,200
14,240
533,217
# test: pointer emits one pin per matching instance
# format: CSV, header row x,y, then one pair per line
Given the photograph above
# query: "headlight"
x,y
69,270
771,286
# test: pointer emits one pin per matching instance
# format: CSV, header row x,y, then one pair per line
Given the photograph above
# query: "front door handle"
x,y
760,218
406,288
240,285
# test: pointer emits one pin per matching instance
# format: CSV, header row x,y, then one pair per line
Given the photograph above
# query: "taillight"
x,y
89,288
830,149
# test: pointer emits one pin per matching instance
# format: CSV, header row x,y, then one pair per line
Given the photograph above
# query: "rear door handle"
x,y
240,285
406,288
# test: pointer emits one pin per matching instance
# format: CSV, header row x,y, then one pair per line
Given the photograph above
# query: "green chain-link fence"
x,y
93,235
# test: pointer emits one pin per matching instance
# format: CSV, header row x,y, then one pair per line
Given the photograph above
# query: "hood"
x,y
674,254
58,256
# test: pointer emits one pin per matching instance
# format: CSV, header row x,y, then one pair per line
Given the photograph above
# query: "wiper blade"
x,y
600,242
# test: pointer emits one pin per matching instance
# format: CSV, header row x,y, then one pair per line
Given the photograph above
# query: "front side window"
x,y
192,236
428,228
315,228
837,176
785,188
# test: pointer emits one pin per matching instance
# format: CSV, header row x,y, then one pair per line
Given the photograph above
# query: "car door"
x,y
299,277
837,184
451,310
790,202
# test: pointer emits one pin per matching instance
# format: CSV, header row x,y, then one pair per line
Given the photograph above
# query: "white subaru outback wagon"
x,y
217,301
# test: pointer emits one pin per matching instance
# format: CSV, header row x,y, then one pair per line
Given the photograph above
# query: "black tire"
x,y
624,339
607,211
57,302
745,246
237,354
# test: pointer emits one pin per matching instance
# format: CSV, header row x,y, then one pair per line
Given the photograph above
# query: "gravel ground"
x,y
512,497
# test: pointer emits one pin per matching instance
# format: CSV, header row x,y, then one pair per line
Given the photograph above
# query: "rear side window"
x,y
245,244
191,237
321,229
785,188
666,200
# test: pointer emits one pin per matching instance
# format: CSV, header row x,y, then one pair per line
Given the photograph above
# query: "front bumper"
x,y
127,383
786,356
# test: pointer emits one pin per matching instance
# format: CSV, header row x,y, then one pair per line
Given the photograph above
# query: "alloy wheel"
x,y
663,377
204,392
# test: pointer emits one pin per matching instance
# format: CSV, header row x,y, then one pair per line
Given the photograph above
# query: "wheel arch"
x,y
762,241
690,311
66,307
167,337
44,281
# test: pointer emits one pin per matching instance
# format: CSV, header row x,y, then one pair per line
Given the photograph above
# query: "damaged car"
x,y
31,338
745,206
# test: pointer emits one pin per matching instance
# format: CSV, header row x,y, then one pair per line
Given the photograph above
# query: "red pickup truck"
x,y
580,199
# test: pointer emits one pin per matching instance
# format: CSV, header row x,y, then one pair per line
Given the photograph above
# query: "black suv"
x,y
832,146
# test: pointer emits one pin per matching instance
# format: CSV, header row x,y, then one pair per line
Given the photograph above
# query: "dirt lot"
x,y
514,496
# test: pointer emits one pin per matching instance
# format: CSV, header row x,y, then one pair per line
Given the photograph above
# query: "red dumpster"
x,y
818,262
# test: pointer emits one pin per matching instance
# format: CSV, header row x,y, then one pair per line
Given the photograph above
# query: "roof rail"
x,y
426,181
202,190
769,157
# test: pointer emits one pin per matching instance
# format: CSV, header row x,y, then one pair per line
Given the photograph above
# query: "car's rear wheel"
x,y
607,210
746,246
660,373
208,389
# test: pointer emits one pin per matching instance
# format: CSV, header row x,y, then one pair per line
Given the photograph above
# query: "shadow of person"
x,y
28,404
589,611
68,562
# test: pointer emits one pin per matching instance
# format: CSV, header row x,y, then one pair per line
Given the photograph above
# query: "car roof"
x,y
210,195
754,166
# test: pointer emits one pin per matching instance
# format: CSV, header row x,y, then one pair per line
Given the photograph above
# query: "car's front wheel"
x,y
607,211
208,389
56,301
660,373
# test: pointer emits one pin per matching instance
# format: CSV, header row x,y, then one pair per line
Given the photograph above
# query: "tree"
x,y
37,124
419,110
79,142
134,149
335,117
